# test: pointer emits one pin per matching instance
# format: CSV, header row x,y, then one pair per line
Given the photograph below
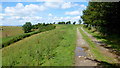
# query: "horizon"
x,y
17,13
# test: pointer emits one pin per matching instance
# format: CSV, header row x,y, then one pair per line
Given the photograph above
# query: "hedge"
x,y
20,37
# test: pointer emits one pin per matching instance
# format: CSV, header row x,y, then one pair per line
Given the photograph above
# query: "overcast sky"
x,y
17,13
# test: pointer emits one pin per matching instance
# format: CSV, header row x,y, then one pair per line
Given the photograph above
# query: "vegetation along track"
x,y
101,54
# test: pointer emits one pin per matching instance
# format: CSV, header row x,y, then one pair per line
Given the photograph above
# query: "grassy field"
x,y
51,48
10,31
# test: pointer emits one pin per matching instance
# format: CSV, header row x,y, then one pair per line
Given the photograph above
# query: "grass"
x,y
98,55
111,41
51,48
9,40
10,31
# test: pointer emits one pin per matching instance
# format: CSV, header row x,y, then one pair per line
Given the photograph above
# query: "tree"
x,y
103,16
54,23
61,22
74,22
79,21
68,22
27,27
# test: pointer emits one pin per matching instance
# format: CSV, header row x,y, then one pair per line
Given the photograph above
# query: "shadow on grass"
x,y
112,43
103,64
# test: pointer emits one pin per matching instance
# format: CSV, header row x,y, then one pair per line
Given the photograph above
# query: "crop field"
x,y
8,31
50,48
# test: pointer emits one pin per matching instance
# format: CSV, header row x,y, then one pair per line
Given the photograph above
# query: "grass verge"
x,y
98,55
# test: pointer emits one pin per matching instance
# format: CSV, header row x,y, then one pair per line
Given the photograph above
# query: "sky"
x,y
17,13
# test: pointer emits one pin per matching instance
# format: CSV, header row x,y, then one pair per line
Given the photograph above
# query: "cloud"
x,y
83,6
50,14
22,10
73,13
67,18
17,20
68,5
20,13
52,4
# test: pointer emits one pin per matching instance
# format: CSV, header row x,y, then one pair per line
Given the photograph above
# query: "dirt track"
x,y
82,52
104,51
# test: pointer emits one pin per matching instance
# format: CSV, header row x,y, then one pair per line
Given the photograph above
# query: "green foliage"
x,y
27,27
74,22
103,16
79,21
61,22
46,27
68,22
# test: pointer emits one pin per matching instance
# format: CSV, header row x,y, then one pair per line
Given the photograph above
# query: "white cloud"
x,y
19,6
73,13
77,17
50,14
17,20
83,6
68,18
21,10
52,4
68,5
21,13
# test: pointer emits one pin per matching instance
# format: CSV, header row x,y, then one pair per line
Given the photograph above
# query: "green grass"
x,y
51,48
12,39
111,41
98,55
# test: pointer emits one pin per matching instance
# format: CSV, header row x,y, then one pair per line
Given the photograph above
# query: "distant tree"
x,y
79,21
27,27
61,22
68,22
54,23
44,24
74,22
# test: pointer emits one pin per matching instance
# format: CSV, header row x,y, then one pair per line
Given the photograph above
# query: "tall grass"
x,y
51,48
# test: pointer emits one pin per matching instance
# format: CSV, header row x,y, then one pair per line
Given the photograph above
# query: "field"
x,y
51,48
8,31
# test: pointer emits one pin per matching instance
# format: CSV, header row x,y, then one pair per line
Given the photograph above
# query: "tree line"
x,y
69,22
27,27
103,16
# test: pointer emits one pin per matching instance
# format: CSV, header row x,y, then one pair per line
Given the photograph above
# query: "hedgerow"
x,y
22,36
